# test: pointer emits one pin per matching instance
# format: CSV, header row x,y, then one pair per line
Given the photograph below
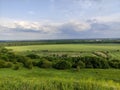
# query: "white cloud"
x,y
20,29
79,26
44,27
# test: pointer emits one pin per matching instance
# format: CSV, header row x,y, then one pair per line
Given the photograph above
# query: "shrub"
x,y
9,64
44,64
62,65
33,56
28,64
95,62
26,61
81,64
35,63
104,64
89,65
4,57
114,63
16,67
2,64
3,50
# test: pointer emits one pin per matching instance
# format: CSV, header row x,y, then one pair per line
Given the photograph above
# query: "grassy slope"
x,y
87,79
106,74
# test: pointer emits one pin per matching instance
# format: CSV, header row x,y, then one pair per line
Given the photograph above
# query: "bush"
x,y
62,65
104,64
95,62
25,60
2,64
114,63
16,67
28,64
33,56
81,64
35,63
44,64
9,64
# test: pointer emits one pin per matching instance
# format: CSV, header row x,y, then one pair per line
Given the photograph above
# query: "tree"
x,y
33,56
44,64
62,65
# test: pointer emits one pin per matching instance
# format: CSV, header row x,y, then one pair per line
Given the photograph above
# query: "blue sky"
x,y
59,19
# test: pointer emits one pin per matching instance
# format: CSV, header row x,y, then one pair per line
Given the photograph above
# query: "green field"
x,y
70,49
69,79
51,79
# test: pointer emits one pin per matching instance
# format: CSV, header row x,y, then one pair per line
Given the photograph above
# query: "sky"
x,y
59,19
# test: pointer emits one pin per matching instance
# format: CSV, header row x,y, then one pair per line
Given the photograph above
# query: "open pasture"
x,y
113,50
68,47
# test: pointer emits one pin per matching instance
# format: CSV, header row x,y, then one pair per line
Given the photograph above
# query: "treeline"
x,y
67,41
9,59
66,62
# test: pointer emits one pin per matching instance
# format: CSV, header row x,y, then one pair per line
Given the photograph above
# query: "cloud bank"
x,y
96,27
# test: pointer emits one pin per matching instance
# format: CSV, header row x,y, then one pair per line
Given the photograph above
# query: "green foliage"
x,y
97,59
2,64
35,63
26,61
95,62
115,63
104,64
28,64
16,67
81,64
9,64
33,56
44,64
62,64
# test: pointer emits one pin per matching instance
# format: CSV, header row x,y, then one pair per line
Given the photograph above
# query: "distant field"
x,y
68,47
71,49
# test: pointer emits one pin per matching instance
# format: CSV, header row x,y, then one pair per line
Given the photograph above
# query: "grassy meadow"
x,y
69,79
51,79
70,49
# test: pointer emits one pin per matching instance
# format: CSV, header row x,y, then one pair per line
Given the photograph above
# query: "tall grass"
x,y
20,83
